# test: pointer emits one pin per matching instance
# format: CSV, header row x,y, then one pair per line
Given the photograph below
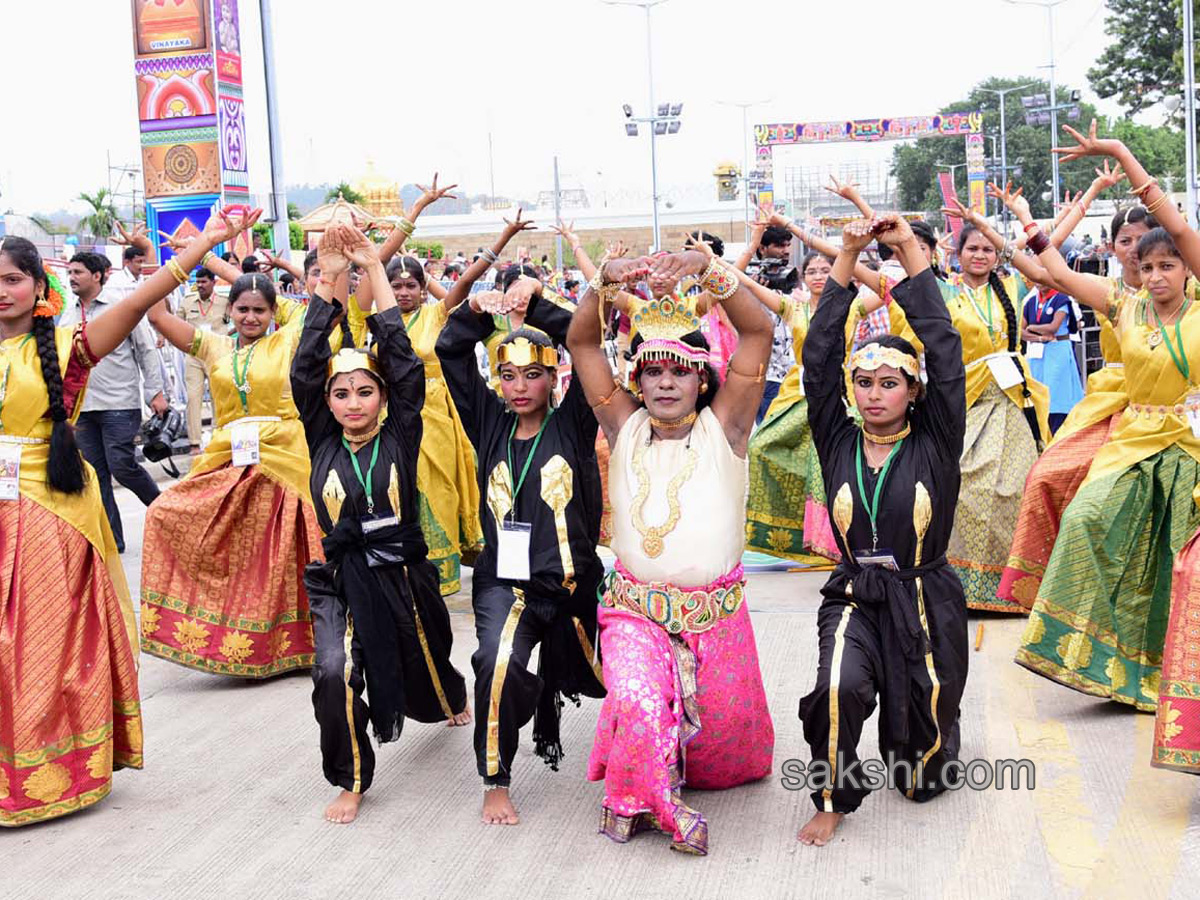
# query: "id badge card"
x,y
1035,350
1004,370
801,381
244,438
10,471
206,326
881,556
1193,412
512,550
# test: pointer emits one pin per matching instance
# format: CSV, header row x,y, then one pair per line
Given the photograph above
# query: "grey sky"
x,y
418,86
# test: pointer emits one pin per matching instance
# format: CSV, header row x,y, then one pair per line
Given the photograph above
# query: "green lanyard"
x,y
7,369
528,460
408,323
1180,359
987,289
366,482
873,509
242,381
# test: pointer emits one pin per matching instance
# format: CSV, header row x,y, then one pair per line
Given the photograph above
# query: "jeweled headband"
x,y
873,355
521,351
349,360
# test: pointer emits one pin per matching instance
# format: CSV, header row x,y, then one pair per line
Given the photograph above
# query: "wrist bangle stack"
x,y
1008,252
604,291
407,226
719,281
489,256
207,256
1156,204
176,271
1038,242
1139,191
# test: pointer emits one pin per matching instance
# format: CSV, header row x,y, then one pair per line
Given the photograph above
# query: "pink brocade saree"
x,y
687,709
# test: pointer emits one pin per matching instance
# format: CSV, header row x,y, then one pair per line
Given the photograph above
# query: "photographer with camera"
x,y
766,260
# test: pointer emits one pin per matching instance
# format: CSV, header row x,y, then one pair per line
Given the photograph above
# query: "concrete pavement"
x,y
230,801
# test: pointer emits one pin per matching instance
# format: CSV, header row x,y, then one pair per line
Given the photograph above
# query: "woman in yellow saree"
x,y
1104,609
69,707
225,548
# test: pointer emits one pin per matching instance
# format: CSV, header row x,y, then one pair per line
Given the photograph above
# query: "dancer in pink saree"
x,y
685,704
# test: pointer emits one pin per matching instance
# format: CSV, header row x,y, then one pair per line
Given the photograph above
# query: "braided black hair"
x,y
996,283
64,469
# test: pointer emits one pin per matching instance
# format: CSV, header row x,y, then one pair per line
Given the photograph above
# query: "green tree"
x,y
295,236
915,165
1144,62
349,194
293,212
99,222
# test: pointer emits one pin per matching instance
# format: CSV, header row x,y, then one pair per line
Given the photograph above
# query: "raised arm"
x,y
737,402
475,401
921,299
461,289
866,276
1067,223
278,262
824,352
1143,186
848,190
1091,290
408,220
757,229
107,331
589,363
1007,251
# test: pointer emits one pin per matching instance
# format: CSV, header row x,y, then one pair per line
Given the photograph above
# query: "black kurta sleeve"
x,y
477,404
404,374
945,407
310,363
823,358
552,314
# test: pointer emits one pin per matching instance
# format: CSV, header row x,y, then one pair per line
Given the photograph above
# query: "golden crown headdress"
x,y
662,323
521,351
871,356
350,359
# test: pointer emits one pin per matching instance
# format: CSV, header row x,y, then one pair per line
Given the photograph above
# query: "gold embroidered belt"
x,y
678,610
1150,410
21,439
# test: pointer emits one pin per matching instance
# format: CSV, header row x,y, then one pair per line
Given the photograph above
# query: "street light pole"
x,y
647,5
1189,101
1002,93
745,106
1049,5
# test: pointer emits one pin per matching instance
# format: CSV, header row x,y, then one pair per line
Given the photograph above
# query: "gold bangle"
x,y
407,226
862,308
176,271
204,259
604,401
1137,192
1156,204
758,379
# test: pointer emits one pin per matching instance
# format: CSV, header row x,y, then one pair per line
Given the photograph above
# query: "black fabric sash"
x,y
903,638
378,618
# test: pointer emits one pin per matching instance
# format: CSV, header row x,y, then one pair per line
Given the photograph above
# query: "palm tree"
x,y
99,222
349,194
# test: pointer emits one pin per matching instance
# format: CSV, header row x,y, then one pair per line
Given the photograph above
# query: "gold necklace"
x,y
362,439
652,535
888,438
674,424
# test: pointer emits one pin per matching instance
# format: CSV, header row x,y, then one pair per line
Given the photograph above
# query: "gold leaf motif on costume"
x,y
558,486
191,636
1118,677
278,643
1149,685
3,784
334,495
500,492
48,782
1169,729
778,539
151,618
1035,630
393,490
99,764
1075,650
236,646
843,511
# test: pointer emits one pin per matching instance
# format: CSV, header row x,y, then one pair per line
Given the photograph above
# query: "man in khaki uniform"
x,y
205,307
